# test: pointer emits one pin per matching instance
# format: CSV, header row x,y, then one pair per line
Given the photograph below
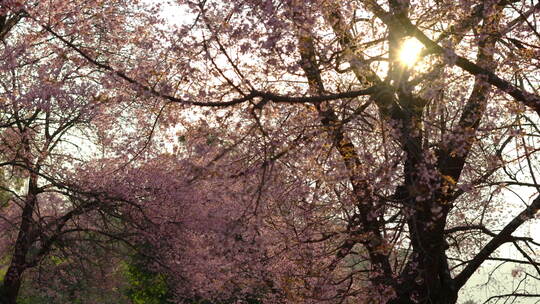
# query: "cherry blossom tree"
x,y
299,152
55,117
373,179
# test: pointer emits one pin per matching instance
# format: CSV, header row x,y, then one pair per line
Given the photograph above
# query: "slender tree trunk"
x,y
12,280
12,284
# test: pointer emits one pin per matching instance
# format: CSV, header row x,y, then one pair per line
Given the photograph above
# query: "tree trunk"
x,y
12,280
12,284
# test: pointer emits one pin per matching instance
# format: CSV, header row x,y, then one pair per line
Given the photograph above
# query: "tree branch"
x,y
504,236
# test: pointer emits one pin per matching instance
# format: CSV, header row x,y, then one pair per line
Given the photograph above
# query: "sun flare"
x,y
410,51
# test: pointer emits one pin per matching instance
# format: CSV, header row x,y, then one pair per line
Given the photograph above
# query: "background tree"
x,y
52,103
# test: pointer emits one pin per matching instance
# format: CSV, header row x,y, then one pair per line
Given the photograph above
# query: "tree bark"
x,y
13,278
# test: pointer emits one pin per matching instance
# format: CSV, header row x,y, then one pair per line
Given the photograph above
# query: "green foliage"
x,y
144,285
3,266
149,287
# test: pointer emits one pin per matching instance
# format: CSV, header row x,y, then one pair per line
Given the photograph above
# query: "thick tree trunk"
x,y
428,282
438,297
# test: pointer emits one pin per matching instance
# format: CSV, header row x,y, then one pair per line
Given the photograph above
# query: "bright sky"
x,y
410,51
